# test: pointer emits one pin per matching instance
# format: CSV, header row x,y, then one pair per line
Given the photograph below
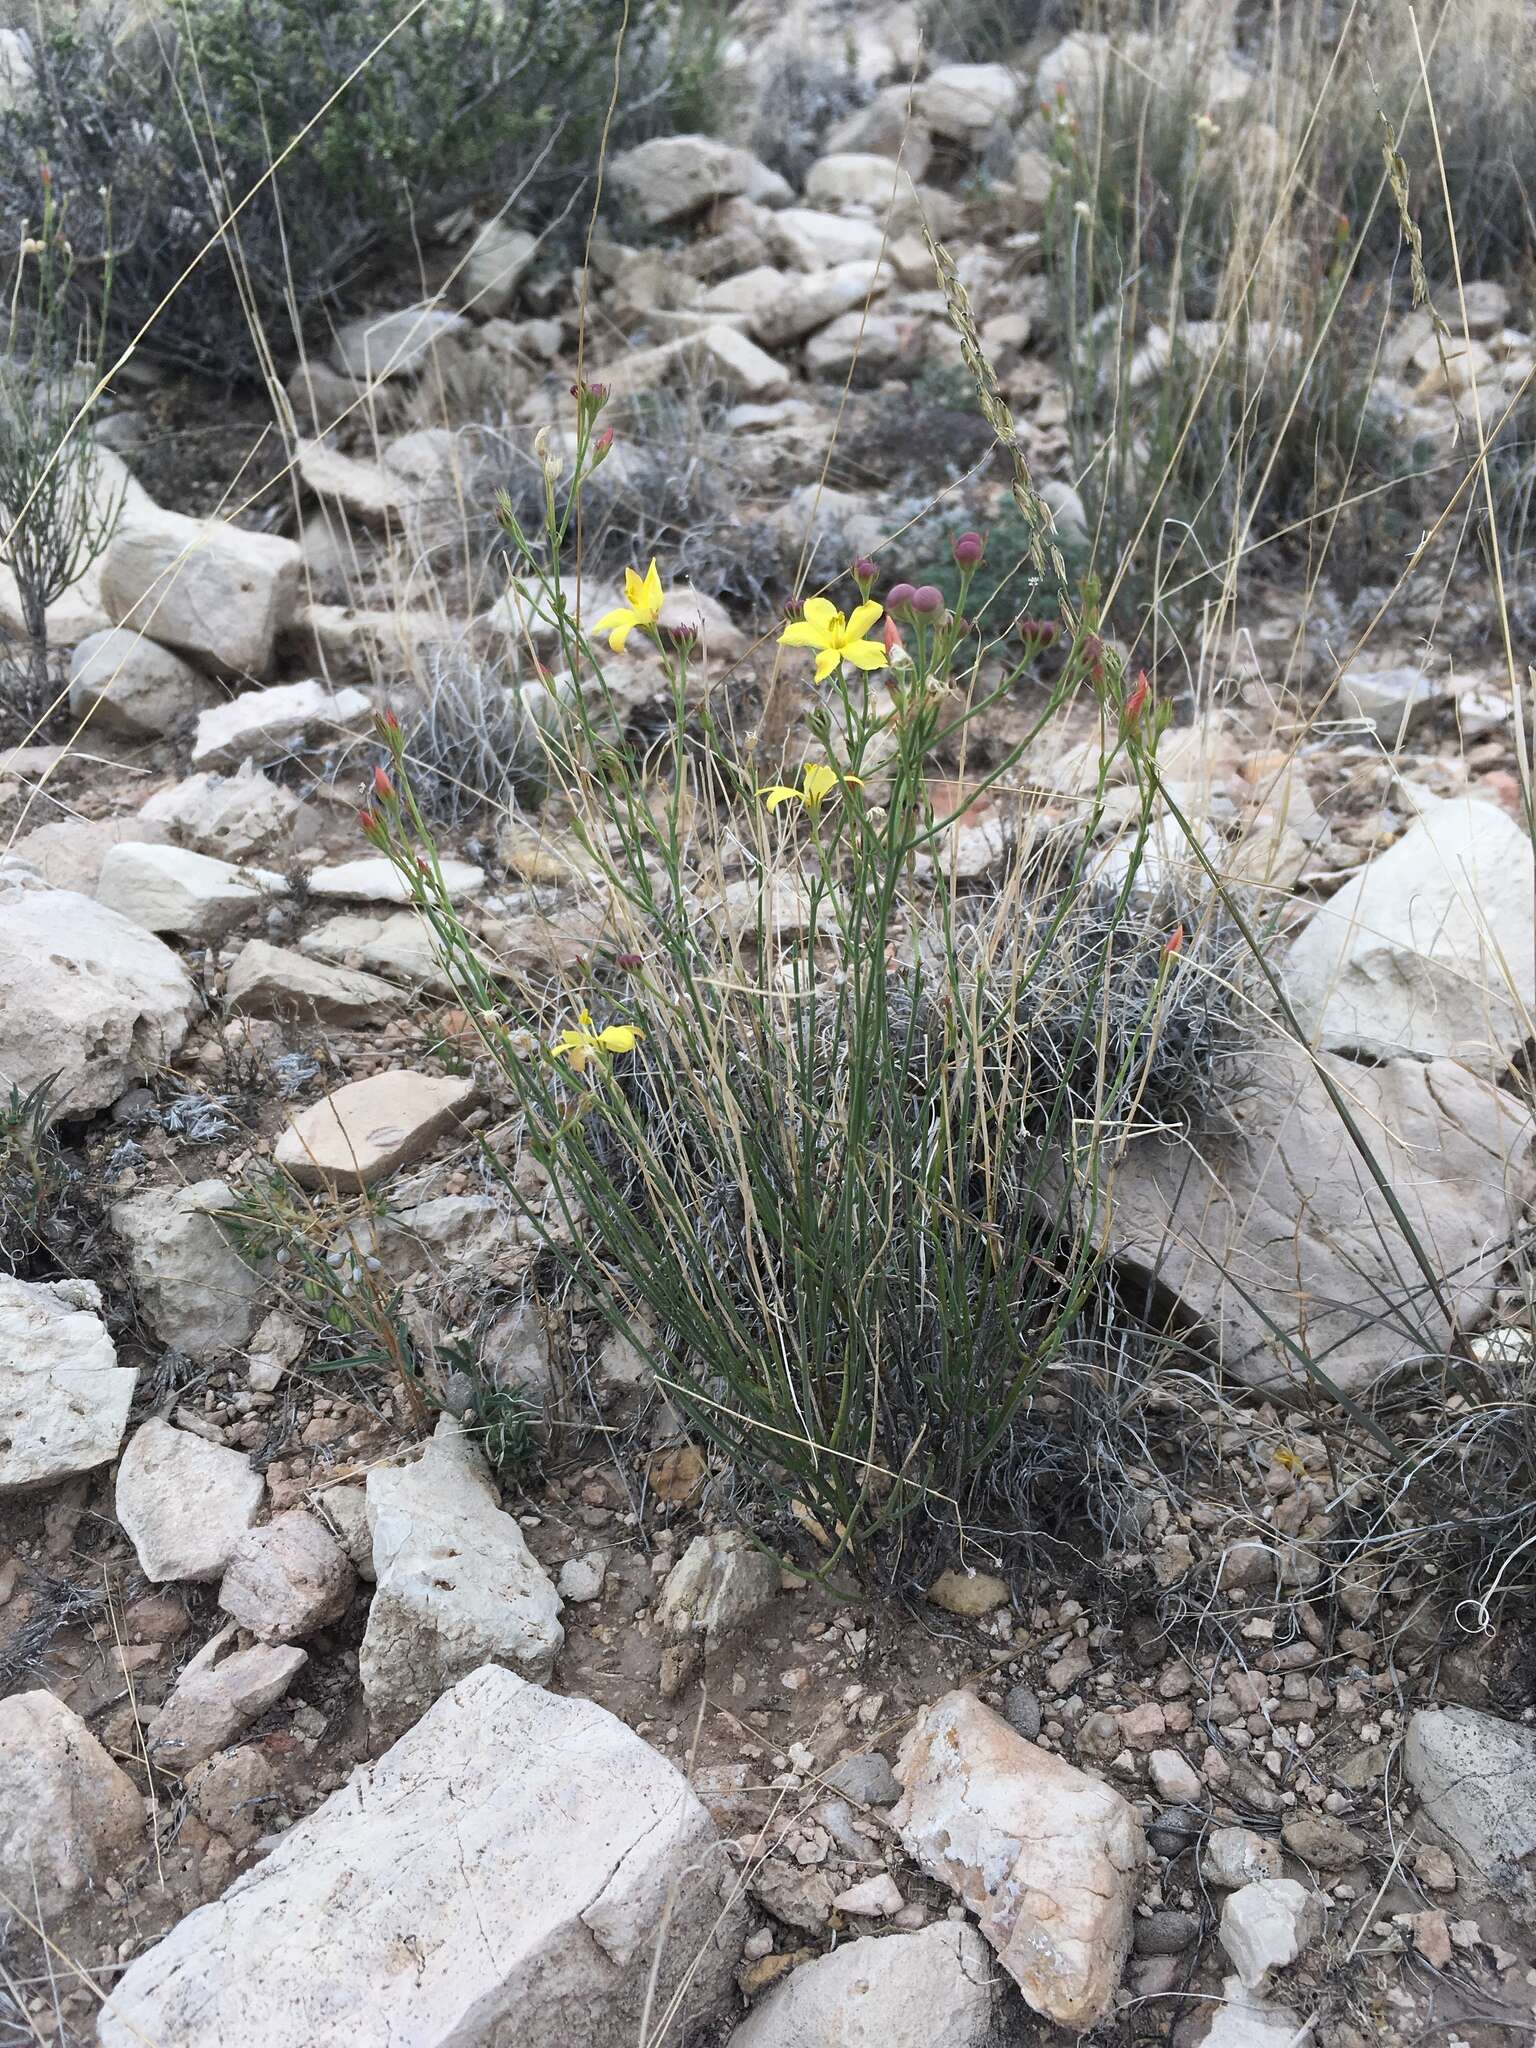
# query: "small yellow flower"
x,y
835,638
644,598
816,784
580,1042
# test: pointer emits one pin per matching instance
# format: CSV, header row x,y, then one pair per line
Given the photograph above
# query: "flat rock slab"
x,y
184,1503
1475,1779
503,1875
188,895
1280,1227
276,981
1430,949
458,1586
376,879
64,1398
395,944
192,1286
69,1817
368,1128
934,1989
84,995
217,593
267,725
1047,1858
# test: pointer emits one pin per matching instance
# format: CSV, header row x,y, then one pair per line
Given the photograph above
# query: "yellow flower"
x,y
644,598
835,638
816,784
579,1041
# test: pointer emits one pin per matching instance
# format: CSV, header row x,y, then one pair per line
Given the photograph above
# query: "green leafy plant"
x,y
155,142
33,1176
807,1143
56,512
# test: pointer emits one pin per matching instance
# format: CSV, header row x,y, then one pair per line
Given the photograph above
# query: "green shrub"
x,y
153,140
826,1139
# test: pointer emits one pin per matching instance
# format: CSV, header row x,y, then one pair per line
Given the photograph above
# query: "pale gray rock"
x,y
192,1286
581,1578
811,240
231,1792
360,1132
498,260
217,593
376,879
1280,1226
1474,1776
395,944
344,1510
189,895
524,1855
68,852
276,981
184,1503
393,344
1047,1858
720,1582
1431,949
217,1698
1266,1927
868,343
963,101
1232,1857
802,304
867,1779
85,996
287,1579
458,1586
933,1989
232,817
1391,701
125,683
672,176
69,1817
268,725
64,1398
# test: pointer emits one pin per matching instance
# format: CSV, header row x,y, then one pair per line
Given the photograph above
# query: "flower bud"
x,y
1136,700
1042,631
927,600
369,822
1174,943
381,783
683,639
969,549
551,461
601,444
892,636
629,961
864,573
898,595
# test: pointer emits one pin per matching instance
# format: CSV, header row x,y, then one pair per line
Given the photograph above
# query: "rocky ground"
x,y
314,1724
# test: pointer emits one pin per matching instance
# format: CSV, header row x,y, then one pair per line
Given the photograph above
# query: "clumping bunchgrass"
x,y
33,1175
824,1131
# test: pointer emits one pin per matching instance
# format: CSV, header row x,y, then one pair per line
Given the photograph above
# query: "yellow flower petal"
x,y
618,1037
651,589
820,612
865,654
819,780
634,588
617,617
801,635
861,618
827,660
620,634
779,794
853,782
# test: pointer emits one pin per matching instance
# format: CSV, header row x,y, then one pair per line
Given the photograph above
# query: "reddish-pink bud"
x,y
1136,700
381,782
969,549
927,599
898,595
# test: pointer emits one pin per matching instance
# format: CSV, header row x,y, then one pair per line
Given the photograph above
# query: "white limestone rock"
x,y
1430,950
720,1582
125,683
69,1817
1046,1857
217,593
232,817
192,1286
268,725
219,1695
458,1586
1266,1927
393,344
287,1578
672,176
84,995
184,1503
64,1398
277,981
359,1133
932,1989
189,895
1474,1776
504,1874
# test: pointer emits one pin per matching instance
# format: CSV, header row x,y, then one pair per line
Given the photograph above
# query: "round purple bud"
x,y
969,549
864,570
898,595
927,599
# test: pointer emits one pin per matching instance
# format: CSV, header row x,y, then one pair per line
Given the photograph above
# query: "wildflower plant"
x,y
794,1139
